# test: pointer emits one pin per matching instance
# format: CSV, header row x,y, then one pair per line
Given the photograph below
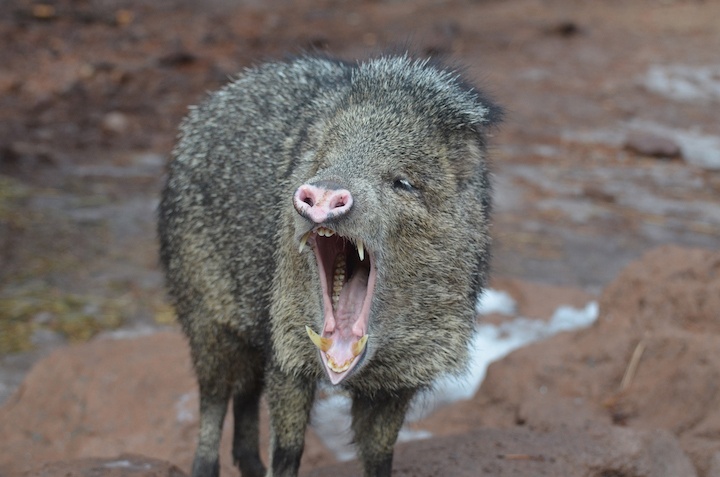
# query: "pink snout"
x,y
322,201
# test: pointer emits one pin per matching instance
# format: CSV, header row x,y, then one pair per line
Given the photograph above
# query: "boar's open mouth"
x,y
347,277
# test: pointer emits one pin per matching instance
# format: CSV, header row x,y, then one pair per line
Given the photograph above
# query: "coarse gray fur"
x,y
407,138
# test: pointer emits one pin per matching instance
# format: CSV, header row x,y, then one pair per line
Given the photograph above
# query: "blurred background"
x,y
610,146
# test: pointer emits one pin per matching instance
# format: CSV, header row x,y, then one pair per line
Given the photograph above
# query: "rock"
x,y
564,29
664,310
115,122
652,139
110,397
670,288
123,466
520,452
175,58
681,82
649,144
701,151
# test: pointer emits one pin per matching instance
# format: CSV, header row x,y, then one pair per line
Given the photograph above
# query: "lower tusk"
x,y
359,346
323,344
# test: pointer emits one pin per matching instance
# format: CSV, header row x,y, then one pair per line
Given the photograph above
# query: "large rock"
x,y
651,361
603,452
110,397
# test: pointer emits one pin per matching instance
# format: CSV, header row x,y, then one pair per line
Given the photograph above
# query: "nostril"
x,y
340,200
305,195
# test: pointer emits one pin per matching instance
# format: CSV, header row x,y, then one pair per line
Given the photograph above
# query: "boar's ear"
x,y
471,161
484,117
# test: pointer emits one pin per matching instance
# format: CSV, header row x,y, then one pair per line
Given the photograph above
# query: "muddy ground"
x,y
610,147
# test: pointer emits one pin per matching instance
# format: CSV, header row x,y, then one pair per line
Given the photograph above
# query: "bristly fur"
x,y
229,241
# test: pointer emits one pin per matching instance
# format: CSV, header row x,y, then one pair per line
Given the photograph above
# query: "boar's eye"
x,y
401,183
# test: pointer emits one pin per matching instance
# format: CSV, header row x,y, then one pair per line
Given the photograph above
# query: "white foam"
x,y
126,464
184,407
493,342
331,421
137,331
684,83
495,301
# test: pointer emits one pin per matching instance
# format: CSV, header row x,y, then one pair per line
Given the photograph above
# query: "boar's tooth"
x,y
304,240
361,250
325,232
338,279
323,344
359,346
336,367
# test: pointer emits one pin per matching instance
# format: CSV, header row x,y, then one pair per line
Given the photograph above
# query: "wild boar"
x,y
325,220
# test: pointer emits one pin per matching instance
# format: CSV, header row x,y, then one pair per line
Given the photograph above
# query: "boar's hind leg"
x,y
290,400
376,424
246,407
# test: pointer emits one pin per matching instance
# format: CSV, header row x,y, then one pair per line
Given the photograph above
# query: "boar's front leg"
x,y
246,410
377,420
290,400
212,415
225,363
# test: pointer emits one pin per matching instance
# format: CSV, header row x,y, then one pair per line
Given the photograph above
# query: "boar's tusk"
x,y
323,344
304,240
359,346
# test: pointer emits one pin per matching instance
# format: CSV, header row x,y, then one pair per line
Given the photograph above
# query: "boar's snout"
x,y
322,201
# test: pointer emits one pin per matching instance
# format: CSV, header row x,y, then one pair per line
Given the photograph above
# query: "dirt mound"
x,y
649,362
670,288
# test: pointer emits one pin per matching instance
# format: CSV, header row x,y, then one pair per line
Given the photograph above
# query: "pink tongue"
x,y
351,298
349,304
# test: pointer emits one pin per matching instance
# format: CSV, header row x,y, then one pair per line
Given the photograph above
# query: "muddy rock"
x,y
109,397
521,453
649,144
654,345
123,466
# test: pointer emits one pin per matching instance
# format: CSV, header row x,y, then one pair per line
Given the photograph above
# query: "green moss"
x,y
12,193
76,317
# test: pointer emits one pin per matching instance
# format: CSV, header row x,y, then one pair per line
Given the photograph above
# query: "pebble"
x,y
115,122
651,144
